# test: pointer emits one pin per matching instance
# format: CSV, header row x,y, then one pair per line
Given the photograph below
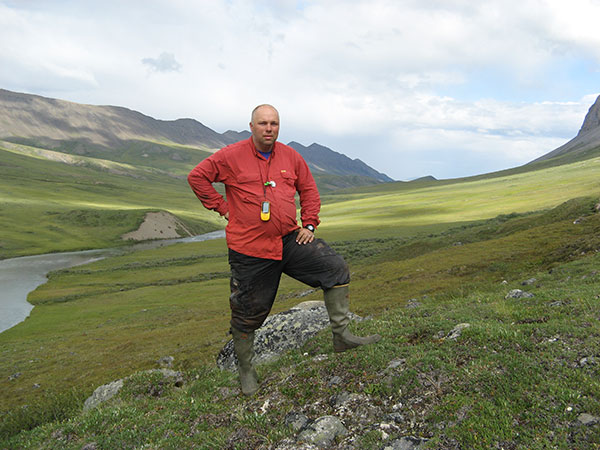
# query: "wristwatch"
x,y
310,228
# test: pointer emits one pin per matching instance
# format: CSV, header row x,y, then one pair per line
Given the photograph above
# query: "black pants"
x,y
254,281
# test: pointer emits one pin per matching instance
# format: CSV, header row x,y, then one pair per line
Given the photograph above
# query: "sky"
x,y
447,88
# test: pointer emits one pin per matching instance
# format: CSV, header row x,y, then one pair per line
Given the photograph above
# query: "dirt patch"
x,y
158,225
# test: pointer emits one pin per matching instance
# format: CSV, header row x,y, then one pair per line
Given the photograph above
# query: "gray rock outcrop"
x,y
281,332
323,431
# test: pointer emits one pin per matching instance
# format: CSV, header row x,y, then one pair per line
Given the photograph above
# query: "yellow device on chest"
x,y
265,211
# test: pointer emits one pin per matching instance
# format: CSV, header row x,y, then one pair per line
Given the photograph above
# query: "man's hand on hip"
x,y
305,236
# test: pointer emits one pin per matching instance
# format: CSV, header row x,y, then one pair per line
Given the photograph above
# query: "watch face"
x,y
310,228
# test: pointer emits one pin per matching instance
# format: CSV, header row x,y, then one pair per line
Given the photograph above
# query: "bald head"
x,y
261,107
264,124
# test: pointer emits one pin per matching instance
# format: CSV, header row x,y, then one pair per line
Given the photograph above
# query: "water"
x,y
20,276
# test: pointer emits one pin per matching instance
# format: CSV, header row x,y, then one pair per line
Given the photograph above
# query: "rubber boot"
x,y
336,301
243,345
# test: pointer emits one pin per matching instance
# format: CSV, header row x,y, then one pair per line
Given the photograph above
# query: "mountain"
x,y
321,159
583,146
51,121
122,135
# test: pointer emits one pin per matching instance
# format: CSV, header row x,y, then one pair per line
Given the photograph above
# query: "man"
x,y
261,177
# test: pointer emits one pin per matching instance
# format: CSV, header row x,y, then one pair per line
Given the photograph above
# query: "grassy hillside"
x,y
515,379
109,319
405,209
54,201
47,205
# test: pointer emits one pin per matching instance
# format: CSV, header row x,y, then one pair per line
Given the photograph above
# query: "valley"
x,y
425,256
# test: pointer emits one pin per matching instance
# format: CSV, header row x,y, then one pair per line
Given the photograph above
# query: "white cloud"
x,y
166,62
498,79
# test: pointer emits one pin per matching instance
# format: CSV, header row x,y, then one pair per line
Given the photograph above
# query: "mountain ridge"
x,y
124,135
318,155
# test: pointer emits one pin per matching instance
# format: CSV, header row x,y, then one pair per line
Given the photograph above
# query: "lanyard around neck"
x,y
265,183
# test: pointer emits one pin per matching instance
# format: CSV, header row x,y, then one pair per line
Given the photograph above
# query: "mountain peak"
x,y
592,119
583,146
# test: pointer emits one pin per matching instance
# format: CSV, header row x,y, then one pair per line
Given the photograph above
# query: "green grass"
x,y
514,379
48,206
395,210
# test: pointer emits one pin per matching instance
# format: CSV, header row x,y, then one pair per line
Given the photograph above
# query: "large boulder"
x,y
281,332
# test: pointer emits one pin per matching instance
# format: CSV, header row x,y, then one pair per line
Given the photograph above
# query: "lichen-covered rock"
x,y
588,419
296,420
102,394
405,443
456,332
518,293
323,431
281,332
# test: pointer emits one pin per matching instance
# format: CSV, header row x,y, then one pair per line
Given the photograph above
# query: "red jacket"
x,y
244,173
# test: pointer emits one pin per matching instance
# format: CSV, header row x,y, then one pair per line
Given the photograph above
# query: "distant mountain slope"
x,y
583,146
51,120
324,160
126,136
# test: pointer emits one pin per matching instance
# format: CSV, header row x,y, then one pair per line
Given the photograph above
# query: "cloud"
x,y
495,83
166,62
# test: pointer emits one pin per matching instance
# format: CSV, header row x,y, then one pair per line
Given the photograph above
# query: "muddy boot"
x,y
243,344
336,301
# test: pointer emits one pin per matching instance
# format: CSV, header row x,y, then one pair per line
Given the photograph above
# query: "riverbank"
x,y
20,276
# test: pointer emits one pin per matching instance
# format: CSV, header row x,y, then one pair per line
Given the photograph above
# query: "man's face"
x,y
265,128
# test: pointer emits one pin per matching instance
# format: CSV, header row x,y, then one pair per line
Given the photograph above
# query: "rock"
x,y
588,361
166,361
290,444
395,417
518,293
457,330
296,420
588,419
341,399
528,282
14,376
334,380
108,391
395,363
102,394
282,332
413,303
405,443
90,446
323,431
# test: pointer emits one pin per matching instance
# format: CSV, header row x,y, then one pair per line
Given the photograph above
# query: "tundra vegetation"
x,y
424,258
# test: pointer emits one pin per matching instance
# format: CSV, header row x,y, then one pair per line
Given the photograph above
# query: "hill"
x,y
522,374
122,135
585,145
323,160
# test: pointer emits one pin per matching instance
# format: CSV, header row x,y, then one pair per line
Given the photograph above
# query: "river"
x,y
20,276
